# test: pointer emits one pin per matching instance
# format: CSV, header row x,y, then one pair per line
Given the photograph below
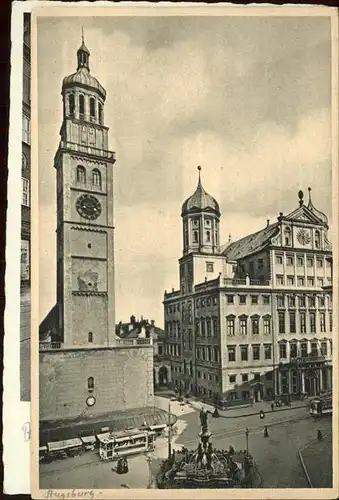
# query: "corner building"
x,y
252,319
85,370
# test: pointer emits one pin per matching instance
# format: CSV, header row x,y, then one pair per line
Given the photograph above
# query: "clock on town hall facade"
x,y
85,252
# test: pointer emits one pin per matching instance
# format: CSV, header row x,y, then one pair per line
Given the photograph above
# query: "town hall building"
x,y
252,319
85,369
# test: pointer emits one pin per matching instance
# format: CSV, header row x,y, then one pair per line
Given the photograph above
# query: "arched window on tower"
x,y
287,234
195,237
90,337
81,107
208,236
92,109
90,384
101,114
96,178
81,174
71,105
317,239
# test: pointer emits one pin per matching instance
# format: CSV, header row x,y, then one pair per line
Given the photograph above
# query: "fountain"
x,y
206,467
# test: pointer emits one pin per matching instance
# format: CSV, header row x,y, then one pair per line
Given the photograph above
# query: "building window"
x,y
232,379
90,384
291,301
96,178
309,261
310,281
268,351
244,352
303,349
312,322
255,326
279,259
302,322
208,325
196,237
323,348
300,261
209,354
208,236
269,375
302,302
101,114
280,280
266,299
244,377
257,377
294,350
331,320
321,301
160,351
90,337
71,105
287,233
215,301
260,263
81,107
289,260
208,301
215,326
282,350
24,260
25,192
254,299
314,349
290,281
243,325
292,322
320,282
311,301
320,263
281,301
256,352
216,355
301,281
317,239
92,108
26,129
209,267
267,326
322,322
81,174
231,353
281,317
230,326
242,299
230,299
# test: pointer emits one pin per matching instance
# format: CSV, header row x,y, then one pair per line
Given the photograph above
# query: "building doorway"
x,y
163,376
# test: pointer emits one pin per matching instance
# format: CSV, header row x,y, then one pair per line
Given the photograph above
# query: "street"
x,y
276,456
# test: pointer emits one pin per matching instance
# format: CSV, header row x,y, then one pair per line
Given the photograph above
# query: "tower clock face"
x,y
88,206
303,236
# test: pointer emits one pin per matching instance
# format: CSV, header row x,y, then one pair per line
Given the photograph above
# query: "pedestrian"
x,y
319,435
262,414
265,432
272,406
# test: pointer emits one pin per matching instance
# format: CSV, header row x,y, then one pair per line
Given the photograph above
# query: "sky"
x,y
247,98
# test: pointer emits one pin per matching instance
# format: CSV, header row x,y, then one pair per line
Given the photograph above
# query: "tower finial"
x,y
309,196
82,34
301,198
199,170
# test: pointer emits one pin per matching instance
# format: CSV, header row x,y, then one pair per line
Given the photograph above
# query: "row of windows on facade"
x,y
312,317
300,261
288,237
255,323
94,110
202,375
95,176
301,281
244,377
294,351
303,301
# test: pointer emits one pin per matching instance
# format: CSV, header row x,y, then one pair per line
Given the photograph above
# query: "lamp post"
x,y
247,433
169,431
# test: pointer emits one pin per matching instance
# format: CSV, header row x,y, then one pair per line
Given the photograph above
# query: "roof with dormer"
x,y
250,244
200,200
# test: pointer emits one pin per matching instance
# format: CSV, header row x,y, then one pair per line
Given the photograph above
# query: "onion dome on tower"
x,y
201,215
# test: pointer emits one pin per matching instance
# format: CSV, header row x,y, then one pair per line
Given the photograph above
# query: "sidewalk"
x,y
247,411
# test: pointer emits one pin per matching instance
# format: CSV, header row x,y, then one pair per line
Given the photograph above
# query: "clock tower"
x,y
85,240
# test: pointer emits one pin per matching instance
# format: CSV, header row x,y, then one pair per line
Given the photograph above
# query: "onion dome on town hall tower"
x,y
82,77
201,215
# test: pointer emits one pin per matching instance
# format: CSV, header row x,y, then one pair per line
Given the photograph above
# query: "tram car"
x,y
321,406
119,444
